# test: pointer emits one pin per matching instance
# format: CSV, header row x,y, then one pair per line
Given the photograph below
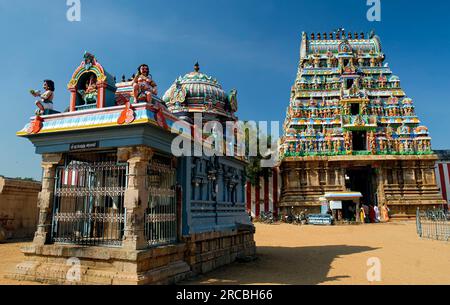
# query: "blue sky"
x,y
250,45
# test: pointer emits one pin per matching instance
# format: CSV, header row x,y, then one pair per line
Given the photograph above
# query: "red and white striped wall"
x,y
264,197
443,179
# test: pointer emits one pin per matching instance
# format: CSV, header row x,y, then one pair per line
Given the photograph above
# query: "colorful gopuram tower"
x,y
350,127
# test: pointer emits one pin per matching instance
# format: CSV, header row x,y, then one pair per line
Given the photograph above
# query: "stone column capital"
x,y
134,154
51,159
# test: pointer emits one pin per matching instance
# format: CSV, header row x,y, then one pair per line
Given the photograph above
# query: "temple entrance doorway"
x,y
362,179
359,140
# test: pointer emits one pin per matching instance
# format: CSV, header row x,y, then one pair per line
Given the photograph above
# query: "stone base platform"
x,y
196,254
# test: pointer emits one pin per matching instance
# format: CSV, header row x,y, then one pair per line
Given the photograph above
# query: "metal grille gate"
x,y
433,224
161,213
89,202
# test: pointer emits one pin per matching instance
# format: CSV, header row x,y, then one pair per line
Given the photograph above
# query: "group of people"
x,y
373,214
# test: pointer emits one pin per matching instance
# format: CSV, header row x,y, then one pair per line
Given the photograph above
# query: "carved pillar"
x,y
336,176
327,175
308,174
315,175
136,195
395,170
381,179
46,198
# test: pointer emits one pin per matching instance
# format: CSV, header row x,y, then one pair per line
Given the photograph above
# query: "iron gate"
x,y
161,213
89,203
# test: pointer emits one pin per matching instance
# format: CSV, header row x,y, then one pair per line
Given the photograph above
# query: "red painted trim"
x,y
73,99
249,196
101,97
266,194
443,186
257,200
275,192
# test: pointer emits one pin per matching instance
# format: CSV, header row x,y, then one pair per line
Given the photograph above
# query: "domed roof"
x,y
198,92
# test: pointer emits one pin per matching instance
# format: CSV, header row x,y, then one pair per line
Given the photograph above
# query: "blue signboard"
x,y
320,219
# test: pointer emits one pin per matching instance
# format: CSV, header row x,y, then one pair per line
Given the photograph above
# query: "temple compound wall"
x,y
18,208
116,206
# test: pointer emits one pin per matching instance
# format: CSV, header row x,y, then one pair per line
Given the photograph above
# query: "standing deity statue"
x,y
364,108
338,146
143,85
348,142
45,101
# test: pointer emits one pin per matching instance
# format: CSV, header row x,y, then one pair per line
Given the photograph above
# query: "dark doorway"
x,y
349,83
362,179
359,140
349,210
354,108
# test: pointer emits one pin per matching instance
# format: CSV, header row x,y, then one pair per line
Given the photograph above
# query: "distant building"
x,y
443,173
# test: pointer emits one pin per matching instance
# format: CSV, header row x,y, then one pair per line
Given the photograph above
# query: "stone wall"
x,y
404,183
18,208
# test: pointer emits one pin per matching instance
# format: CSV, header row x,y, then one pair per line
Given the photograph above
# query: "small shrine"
x,y
351,127
114,198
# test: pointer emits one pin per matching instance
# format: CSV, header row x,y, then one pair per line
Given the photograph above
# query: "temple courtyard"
x,y
290,254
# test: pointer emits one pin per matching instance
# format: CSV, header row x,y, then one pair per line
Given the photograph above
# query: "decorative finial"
x,y
196,67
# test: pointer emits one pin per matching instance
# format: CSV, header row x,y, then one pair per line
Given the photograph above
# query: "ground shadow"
x,y
280,265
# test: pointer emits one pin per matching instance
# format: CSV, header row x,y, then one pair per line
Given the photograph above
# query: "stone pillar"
x,y
314,175
327,175
336,176
46,198
395,170
381,179
136,195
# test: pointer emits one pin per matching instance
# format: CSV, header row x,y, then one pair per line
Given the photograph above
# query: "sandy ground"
x,y
289,254
10,256
310,255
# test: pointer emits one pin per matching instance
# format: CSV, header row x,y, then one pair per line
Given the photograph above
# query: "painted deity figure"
x,y
45,101
348,141
382,145
364,108
89,95
143,85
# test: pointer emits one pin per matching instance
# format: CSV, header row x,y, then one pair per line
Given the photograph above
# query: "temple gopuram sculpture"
x,y
143,85
350,127
45,101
